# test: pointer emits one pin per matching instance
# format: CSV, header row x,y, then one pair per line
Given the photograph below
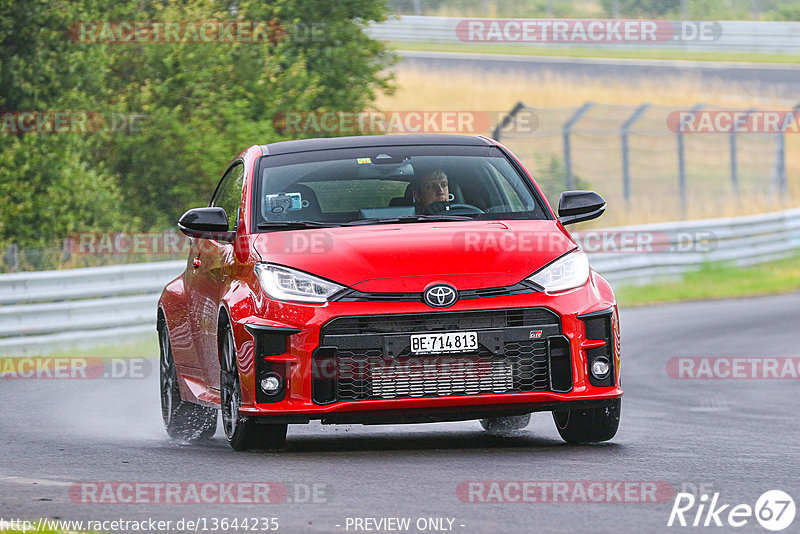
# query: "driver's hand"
x,y
439,206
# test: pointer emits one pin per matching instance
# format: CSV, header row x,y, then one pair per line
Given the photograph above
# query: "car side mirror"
x,y
206,223
579,206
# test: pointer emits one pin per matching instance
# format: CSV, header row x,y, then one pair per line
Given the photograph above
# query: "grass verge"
x,y
719,281
580,52
145,346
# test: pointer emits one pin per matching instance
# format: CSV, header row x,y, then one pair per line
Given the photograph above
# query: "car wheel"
x,y
589,425
242,434
502,425
183,420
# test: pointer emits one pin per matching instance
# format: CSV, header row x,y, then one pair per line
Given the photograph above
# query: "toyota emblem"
x,y
440,296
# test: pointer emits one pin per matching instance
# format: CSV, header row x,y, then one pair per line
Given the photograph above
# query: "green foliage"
x,y
50,191
786,12
205,102
196,103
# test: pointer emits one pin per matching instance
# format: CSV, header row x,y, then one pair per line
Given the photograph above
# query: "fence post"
x,y
507,120
734,159
567,148
779,175
682,168
626,172
11,258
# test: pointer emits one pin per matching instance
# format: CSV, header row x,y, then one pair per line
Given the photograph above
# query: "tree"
x,y
200,103
48,182
204,102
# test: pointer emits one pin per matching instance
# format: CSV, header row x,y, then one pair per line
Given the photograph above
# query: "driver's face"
x,y
432,189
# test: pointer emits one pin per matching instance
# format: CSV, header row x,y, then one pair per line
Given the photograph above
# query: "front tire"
x,y
182,420
590,425
242,434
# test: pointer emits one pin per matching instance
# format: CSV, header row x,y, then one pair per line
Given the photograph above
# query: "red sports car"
x,y
381,280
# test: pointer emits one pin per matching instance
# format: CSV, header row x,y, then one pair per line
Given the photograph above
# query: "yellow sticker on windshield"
x,y
363,160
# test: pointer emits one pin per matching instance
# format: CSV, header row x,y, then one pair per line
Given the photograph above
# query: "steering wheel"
x,y
442,207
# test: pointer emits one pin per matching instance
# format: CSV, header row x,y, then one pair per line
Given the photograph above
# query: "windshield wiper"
x,y
408,219
295,224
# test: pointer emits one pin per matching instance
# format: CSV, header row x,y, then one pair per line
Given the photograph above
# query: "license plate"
x,y
444,343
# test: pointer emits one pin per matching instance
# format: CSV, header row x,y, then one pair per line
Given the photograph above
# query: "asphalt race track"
x,y
738,78
738,437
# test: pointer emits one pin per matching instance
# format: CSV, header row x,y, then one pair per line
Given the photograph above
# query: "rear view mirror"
x,y
579,206
206,223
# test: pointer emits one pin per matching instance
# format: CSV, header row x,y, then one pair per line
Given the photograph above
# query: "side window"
x,y
229,194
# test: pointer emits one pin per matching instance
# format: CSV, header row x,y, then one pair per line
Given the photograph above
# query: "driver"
x,y
433,187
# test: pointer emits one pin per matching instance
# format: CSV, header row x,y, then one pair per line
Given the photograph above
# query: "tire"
x,y
503,425
591,425
182,420
242,434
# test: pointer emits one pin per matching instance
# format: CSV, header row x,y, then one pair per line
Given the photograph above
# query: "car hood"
x,y
410,256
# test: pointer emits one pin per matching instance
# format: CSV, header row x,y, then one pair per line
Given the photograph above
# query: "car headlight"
x,y
283,283
567,272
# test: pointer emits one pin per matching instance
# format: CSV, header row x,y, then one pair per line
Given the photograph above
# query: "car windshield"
x,y
391,184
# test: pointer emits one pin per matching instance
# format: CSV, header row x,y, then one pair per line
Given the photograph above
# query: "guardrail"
x,y
55,311
679,247
731,36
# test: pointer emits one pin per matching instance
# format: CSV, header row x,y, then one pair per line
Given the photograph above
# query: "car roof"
x,y
363,141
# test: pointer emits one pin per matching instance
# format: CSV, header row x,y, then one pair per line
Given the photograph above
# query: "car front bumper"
x,y
349,362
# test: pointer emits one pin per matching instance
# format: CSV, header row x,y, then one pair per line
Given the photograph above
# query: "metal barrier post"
x,y
507,120
567,148
682,168
626,173
734,159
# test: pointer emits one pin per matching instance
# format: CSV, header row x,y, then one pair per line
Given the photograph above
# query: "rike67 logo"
x,y
774,510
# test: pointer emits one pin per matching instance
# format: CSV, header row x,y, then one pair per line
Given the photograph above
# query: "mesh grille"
x,y
365,374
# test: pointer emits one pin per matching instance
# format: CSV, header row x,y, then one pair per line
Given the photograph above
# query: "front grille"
x,y
522,288
415,323
361,365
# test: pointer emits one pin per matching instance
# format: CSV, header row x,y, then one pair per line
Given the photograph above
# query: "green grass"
x,y
719,281
607,52
146,347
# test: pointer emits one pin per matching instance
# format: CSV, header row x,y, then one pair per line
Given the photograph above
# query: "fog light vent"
x,y
271,384
601,367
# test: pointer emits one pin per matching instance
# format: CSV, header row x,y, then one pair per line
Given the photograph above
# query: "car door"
x,y
209,278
